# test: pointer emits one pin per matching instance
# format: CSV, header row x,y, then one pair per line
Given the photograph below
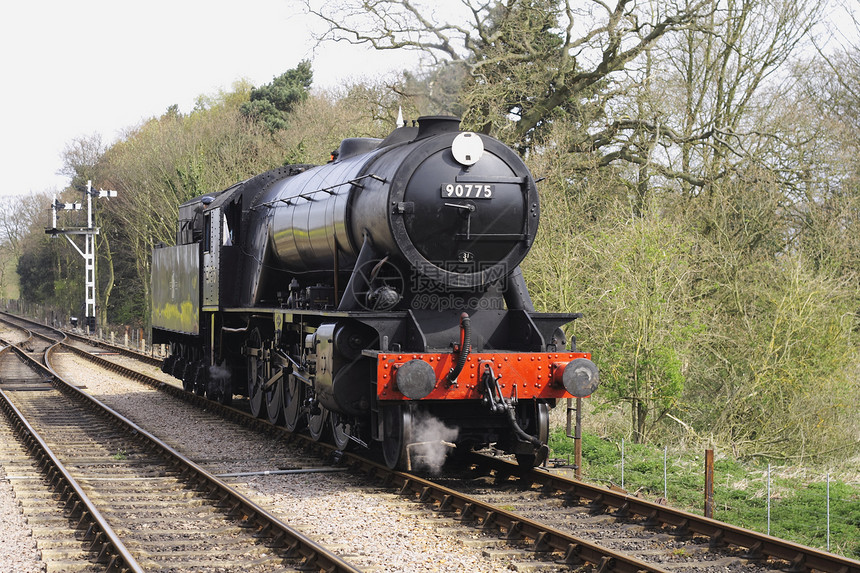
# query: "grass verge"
x,y
798,497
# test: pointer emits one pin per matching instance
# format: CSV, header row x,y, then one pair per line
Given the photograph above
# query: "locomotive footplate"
x,y
529,375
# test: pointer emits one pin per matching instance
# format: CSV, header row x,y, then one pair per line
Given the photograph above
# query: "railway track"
x,y
544,517
101,346
694,534
136,503
584,551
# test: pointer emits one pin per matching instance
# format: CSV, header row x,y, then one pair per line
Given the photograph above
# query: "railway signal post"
x,y
89,252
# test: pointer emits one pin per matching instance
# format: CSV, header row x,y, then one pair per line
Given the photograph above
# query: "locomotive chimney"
x,y
436,124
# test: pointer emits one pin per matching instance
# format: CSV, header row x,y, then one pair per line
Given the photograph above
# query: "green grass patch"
x,y
798,506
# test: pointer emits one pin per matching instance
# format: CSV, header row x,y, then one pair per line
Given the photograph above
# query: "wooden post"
x,y
577,441
575,432
709,483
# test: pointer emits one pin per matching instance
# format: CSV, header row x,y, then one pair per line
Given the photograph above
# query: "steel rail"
x,y
801,557
238,506
226,411
31,334
575,550
125,351
137,355
103,540
515,528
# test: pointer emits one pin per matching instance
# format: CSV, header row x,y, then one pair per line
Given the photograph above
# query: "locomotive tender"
x,y
357,298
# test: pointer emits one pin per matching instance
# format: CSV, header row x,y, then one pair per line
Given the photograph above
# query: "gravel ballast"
x,y
18,550
372,529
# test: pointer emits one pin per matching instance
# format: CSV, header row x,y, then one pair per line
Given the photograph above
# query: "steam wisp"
x,y
432,440
219,380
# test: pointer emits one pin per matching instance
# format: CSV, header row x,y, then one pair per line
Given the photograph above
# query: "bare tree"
x,y
20,218
717,88
80,157
550,52
830,96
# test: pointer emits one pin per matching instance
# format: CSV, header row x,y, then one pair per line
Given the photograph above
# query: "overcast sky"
x,y
74,68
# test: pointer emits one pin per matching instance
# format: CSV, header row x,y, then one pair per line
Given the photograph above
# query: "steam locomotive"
x,y
357,299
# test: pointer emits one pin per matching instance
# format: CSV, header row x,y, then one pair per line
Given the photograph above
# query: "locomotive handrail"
x,y
489,179
329,190
491,236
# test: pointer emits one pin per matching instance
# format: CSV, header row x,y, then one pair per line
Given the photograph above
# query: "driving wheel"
x,y
397,423
275,402
294,417
340,430
258,370
318,423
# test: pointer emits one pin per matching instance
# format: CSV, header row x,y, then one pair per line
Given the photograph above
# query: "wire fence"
x,y
800,504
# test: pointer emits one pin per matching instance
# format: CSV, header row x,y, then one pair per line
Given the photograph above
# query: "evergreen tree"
x,y
272,103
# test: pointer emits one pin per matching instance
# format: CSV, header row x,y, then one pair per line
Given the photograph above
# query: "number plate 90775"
x,y
468,190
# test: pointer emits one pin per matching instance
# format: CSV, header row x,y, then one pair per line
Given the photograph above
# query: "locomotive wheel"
x,y
275,403
340,430
534,419
189,380
219,389
318,424
167,365
226,398
179,366
293,411
188,375
257,373
201,378
397,424
220,396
